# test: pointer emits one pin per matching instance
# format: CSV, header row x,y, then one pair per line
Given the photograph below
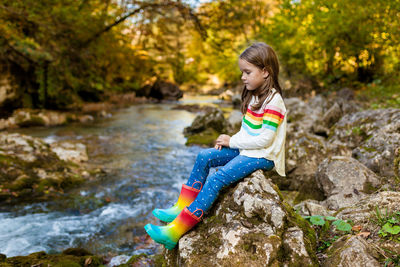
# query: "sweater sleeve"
x,y
273,115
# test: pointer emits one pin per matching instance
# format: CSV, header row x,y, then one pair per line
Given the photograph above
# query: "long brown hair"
x,y
262,56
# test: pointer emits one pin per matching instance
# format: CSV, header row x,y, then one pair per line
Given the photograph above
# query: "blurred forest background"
x,y
62,53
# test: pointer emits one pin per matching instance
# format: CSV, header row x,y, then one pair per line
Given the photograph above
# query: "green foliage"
x,y
317,220
324,244
320,220
326,237
49,42
392,261
68,50
389,222
337,41
342,226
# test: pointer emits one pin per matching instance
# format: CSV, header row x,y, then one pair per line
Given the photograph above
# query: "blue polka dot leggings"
x,y
235,167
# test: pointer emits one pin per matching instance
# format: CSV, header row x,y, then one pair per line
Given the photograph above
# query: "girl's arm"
x,y
261,141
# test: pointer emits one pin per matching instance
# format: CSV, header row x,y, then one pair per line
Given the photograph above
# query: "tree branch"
x,y
182,8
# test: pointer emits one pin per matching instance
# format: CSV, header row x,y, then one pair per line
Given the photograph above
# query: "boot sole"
x,y
168,244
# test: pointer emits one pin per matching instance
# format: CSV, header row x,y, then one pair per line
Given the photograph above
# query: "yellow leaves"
x,y
308,20
324,9
384,35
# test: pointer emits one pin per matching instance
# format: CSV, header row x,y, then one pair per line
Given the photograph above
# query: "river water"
x,y
142,149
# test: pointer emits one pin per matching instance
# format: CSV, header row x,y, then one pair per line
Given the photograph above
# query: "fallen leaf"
x,y
364,234
88,261
356,228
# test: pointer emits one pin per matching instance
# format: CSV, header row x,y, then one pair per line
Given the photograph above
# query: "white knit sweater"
x,y
263,132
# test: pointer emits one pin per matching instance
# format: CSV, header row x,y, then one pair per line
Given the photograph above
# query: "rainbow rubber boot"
x,y
170,234
187,196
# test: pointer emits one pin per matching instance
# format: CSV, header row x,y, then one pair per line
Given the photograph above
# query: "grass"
x,y
380,94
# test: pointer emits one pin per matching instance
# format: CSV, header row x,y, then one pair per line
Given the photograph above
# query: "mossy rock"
x,y
145,260
30,171
33,121
246,227
57,260
206,138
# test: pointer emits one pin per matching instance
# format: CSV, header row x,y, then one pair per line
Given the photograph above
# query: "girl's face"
x,y
252,76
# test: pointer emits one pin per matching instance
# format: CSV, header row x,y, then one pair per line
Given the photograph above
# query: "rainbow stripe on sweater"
x,y
269,118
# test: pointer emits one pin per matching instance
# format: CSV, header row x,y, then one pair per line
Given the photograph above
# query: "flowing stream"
x,y
143,151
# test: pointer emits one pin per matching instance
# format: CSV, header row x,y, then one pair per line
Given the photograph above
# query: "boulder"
x,y
30,170
366,213
352,251
249,225
305,149
69,257
363,211
345,181
381,152
205,129
354,129
235,120
69,151
373,136
161,90
301,115
312,207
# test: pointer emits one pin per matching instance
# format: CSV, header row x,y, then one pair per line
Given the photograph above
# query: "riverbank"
x,y
333,127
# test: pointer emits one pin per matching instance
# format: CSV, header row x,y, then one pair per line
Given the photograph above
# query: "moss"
x,y
295,219
368,188
206,137
6,160
59,260
275,187
135,258
214,240
396,165
159,261
23,182
369,149
76,252
33,121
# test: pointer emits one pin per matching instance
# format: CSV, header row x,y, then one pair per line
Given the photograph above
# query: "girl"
x,y
260,144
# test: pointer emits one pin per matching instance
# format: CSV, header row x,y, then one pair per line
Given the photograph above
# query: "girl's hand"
x,y
222,140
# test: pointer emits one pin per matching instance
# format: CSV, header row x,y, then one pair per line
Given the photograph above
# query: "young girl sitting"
x,y
260,144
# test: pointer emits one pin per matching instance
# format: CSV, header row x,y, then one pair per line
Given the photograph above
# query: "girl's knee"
x,y
205,153
220,179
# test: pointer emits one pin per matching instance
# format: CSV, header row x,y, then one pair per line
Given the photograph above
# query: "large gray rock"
x,y
352,251
70,151
374,137
381,152
250,225
366,212
205,128
362,211
235,120
345,181
312,207
30,170
301,115
161,90
354,129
